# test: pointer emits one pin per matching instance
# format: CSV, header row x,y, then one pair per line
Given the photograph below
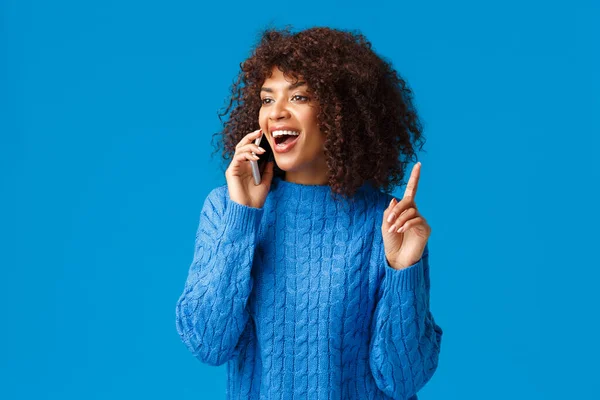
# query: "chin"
x,y
288,165
285,165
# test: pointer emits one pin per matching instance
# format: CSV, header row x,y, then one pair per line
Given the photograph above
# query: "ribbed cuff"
x,y
409,278
240,217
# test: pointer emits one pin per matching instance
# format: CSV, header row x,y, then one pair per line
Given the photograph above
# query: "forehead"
x,y
278,78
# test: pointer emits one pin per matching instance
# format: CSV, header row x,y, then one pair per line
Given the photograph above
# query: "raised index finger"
x,y
413,182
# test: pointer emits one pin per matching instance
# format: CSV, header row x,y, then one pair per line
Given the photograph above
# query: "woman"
x,y
313,284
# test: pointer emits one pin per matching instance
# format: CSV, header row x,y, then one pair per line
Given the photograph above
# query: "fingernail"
x,y
391,228
391,217
261,150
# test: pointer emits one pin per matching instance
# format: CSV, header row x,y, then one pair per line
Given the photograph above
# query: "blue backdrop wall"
x,y
107,112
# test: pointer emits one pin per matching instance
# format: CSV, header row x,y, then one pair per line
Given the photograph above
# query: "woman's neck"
x,y
307,178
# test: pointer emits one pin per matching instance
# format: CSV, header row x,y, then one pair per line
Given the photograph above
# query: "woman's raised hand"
x,y
240,181
405,231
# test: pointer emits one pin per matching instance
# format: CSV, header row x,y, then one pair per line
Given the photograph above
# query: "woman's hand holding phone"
x,y
240,177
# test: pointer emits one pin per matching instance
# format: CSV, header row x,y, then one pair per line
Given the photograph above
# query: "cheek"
x,y
263,120
311,119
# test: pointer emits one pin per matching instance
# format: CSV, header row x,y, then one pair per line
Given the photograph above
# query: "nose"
x,y
279,110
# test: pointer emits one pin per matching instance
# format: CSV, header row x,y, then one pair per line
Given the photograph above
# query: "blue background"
x,y
107,111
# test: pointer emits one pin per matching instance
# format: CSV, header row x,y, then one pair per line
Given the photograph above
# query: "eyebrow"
x,y
292,86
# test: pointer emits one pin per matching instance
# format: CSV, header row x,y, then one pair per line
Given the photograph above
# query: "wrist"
x,y
400,264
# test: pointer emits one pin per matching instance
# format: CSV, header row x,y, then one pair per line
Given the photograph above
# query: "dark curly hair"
x,y
366,112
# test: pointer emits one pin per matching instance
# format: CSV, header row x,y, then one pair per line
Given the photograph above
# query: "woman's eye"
x,y
296,96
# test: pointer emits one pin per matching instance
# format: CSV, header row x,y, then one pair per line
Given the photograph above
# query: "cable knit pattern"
x,y
298,299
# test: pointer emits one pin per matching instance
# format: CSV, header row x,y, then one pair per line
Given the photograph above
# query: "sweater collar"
x,y
303,191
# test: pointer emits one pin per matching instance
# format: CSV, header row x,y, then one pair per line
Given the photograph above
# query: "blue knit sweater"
x,y
298,299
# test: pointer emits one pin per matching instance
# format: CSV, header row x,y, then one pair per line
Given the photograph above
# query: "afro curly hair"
x,y
366,109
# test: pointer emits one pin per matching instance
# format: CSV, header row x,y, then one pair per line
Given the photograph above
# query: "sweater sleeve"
x,y
405,340
211,314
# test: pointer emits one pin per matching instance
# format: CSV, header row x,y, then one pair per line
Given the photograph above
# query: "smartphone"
x,y
258,167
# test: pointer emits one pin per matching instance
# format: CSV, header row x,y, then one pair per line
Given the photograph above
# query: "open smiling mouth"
x,y
285,142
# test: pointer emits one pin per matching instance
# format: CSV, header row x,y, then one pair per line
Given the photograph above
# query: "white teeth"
x,y
280,133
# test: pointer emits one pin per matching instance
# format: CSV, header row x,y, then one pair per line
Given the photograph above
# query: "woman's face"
x,y
292,107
